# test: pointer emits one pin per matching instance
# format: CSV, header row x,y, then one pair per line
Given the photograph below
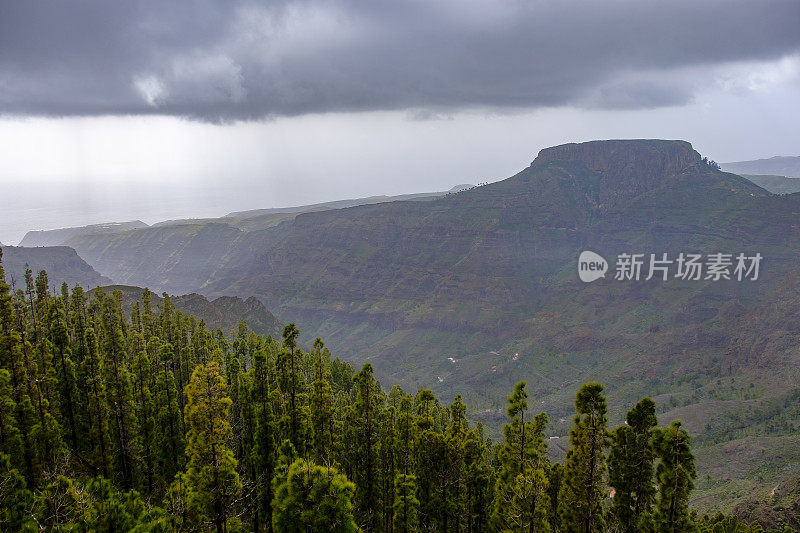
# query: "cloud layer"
x,y
232,59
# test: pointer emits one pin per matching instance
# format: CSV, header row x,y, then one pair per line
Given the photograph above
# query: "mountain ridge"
x,y
62,263
776,165
60,236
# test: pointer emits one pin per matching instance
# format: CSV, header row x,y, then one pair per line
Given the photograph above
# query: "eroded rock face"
x,y
628,167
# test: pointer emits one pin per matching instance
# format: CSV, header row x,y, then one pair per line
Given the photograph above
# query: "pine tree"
x,y
584,489
147,315
10,442
118,384
233,381
61,504
213,483
521,501
322,408
145,408
169,418
264,452
554,478
477,480
59,336
78,321
630,466
247,459
291,384
365,458
309,497
12,359
97,405
452,475
675,475
47,442
406,504
387,466
16,500
109,511
29,290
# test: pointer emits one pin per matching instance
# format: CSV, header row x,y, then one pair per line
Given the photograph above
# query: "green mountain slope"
x,y
61,263
775,184
176,259
477,290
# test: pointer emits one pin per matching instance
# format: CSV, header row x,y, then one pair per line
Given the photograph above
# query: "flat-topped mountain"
x,y
635,162
633,167
59,237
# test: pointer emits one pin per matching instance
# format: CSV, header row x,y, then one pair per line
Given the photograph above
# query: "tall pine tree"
x,y
630,466
584,485
212,479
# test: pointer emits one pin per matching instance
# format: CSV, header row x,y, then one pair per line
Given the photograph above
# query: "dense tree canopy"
x,y
143,419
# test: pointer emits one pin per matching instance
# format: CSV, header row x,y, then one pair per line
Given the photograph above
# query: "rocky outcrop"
x,y
224,313
628,167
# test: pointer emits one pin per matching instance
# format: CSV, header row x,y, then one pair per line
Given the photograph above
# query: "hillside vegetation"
x,y
472,292
775,184
153,422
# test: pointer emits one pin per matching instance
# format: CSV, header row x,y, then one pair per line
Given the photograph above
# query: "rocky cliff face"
x,y
61,263
177,259
628,167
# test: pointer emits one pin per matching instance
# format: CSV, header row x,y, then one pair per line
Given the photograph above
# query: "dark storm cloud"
x,y
226,59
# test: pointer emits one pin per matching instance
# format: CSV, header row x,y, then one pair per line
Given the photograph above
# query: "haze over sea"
x,y
46,205
52,205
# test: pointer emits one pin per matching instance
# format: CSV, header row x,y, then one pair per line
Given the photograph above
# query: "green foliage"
x,y
151,422
406,504
364,420
108,511
583,488
310,497
675,474
726,524
212,480
521,499
16,499
630,466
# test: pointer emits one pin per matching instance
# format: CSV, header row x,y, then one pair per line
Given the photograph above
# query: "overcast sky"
x,y
288,102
